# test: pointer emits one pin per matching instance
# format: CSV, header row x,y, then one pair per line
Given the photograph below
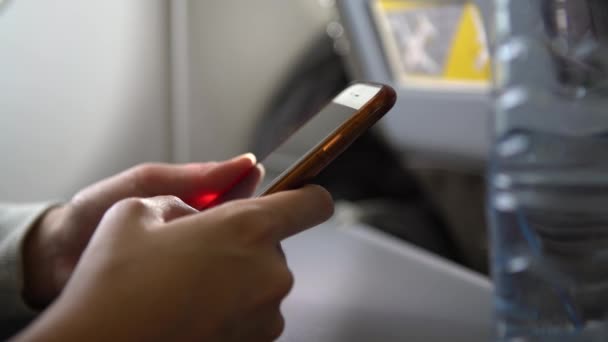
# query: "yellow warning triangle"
x,y
469,58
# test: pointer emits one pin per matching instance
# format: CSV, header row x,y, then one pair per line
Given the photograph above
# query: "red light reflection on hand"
x,y
203,200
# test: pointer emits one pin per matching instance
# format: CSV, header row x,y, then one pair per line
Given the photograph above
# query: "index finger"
x,y
297,210
274,217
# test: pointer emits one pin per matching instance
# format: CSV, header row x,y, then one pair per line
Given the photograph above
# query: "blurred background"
x,y
88,89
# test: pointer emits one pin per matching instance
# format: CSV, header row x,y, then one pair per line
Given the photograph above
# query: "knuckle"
x,y
131,205
144,174
172,207
127,209
145,168
144,171
284,283
171,200
277,326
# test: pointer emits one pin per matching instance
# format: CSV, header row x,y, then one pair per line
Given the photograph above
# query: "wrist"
x,y
40,251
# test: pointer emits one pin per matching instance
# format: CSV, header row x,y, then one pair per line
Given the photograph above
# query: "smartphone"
x,y
327,134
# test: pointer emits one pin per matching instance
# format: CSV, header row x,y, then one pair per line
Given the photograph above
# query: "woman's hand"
x,y
156,270
54,246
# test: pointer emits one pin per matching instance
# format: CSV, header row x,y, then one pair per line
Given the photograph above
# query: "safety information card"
x,y
434,44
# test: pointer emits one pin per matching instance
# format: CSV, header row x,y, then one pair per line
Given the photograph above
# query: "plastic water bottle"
x,y
548,177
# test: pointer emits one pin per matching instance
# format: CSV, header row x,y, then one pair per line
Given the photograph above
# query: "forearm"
x,y
40,262
16,221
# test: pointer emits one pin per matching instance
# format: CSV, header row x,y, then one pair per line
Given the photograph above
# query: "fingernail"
x,y
249,156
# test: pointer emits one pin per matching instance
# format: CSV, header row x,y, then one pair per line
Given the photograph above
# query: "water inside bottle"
x,y
550,213
549,171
